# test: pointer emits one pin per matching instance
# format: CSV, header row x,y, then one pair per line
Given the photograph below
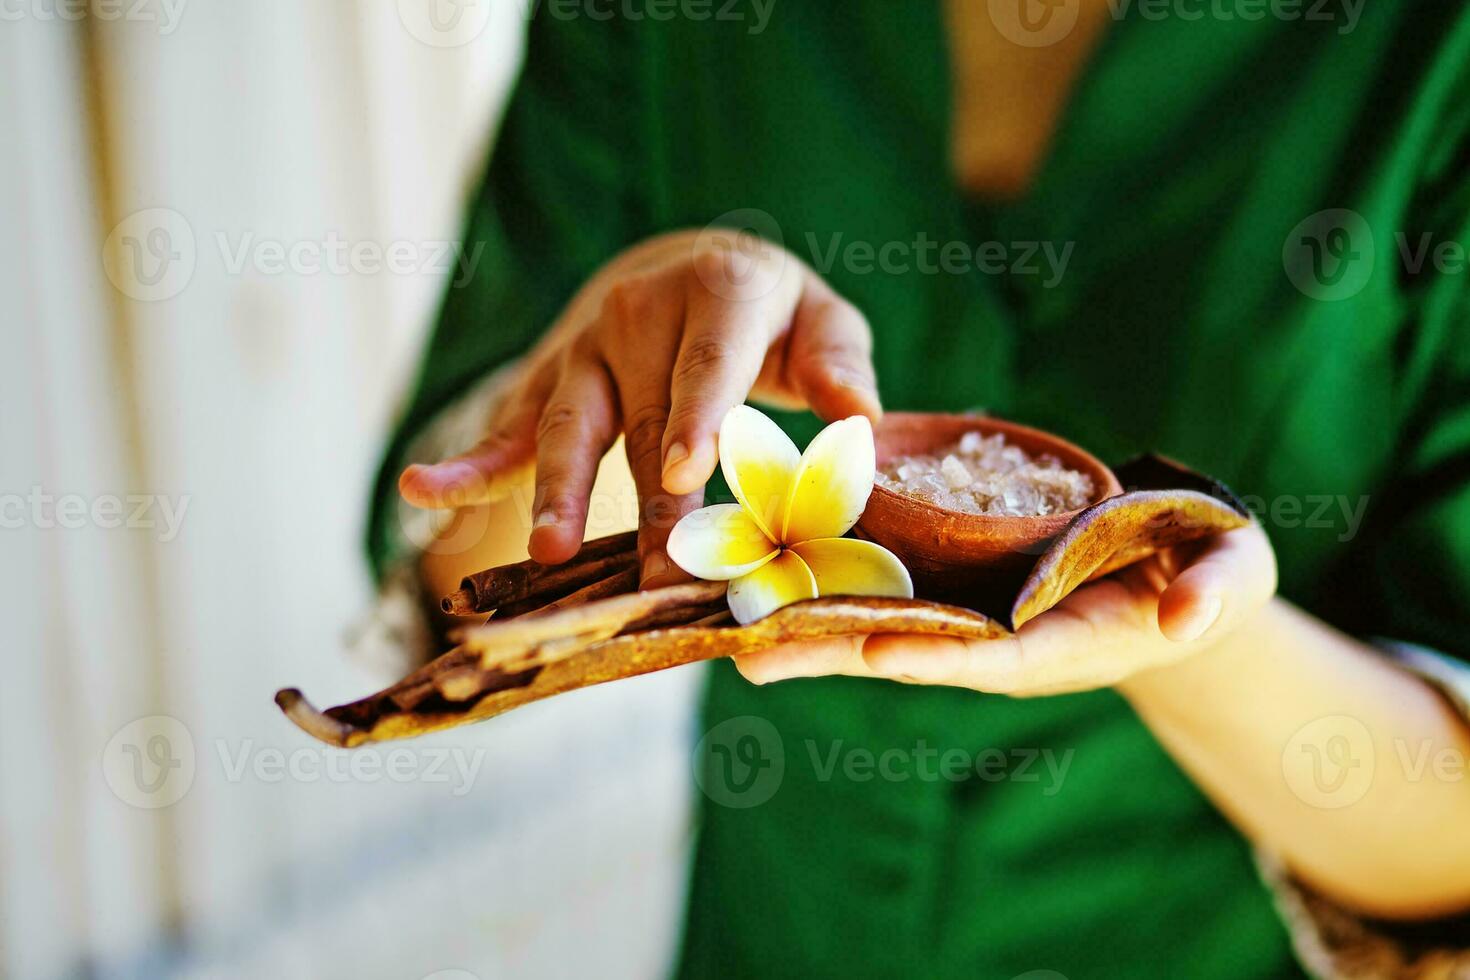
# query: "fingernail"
x,y
677,453
409,475
1205,619
545,519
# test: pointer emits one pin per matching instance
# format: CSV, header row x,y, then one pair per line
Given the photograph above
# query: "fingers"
x,y
480,474
639,338
829,358
989,665
993,666
1231,578
814,658
576,428
1097,636
734,310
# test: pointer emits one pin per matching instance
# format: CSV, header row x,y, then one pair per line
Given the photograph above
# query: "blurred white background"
x,y
226,228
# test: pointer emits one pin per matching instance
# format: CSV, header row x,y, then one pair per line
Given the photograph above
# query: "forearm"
x,y
1323,751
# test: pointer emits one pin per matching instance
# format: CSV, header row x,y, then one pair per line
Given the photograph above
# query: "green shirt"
x,y
1195,301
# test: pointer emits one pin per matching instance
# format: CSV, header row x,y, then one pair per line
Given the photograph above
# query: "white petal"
x,y
777,583
759,461
719,542
832,484
847,566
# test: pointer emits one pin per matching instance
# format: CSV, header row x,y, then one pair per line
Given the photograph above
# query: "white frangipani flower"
x,y
783,541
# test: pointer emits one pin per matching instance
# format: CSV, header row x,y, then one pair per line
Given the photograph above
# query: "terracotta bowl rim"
x,y
1110,486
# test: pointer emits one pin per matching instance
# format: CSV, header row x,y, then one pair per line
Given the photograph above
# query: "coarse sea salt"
x,y
983,474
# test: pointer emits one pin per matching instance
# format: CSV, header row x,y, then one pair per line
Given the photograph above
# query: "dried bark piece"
x,y
494,588
1122,530
380,718
514,644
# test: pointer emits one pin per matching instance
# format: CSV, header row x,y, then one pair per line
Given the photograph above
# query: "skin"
x,y
1233,681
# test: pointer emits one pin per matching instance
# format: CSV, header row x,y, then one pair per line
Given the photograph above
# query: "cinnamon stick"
x,y
623,580
497,587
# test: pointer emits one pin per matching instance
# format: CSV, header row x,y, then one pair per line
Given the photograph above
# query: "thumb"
x,y
1231,578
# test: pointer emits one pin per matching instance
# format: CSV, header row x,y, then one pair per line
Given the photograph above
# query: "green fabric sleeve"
x,y
562,195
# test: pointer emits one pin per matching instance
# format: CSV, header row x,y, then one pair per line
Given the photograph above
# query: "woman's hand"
x,y
1150,614
657,346
1245,692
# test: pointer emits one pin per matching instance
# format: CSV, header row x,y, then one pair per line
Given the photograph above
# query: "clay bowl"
x,y
973,559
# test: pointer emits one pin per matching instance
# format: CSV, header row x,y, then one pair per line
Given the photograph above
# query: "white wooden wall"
x,y
256,400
